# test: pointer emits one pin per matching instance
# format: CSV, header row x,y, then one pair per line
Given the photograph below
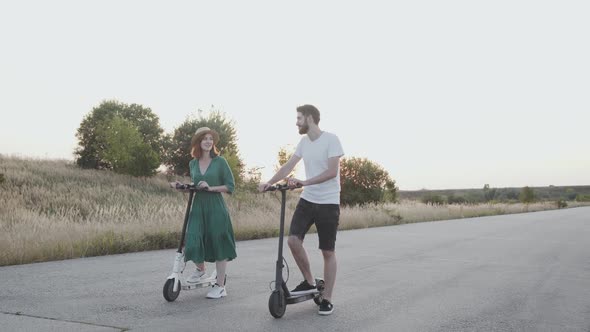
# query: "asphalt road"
x,y
524,272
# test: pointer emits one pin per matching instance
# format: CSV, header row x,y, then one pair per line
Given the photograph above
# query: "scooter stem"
x,y
176,269
186,215
279,269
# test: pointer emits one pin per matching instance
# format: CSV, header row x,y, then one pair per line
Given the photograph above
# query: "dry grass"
x,y
52,210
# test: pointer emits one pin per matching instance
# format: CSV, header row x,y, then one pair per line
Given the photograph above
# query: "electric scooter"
x,y
280,296
173,284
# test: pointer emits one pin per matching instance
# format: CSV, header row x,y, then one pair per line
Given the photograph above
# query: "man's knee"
x,y
329,254
294,242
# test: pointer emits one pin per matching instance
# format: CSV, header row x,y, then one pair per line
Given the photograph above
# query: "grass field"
x,y
51,210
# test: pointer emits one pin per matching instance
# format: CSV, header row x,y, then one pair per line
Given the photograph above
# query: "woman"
x,y
210,235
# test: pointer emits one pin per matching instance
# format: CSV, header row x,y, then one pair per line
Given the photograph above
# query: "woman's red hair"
x,y
196,150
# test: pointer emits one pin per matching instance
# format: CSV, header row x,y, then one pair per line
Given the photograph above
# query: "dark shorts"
x,y
324,216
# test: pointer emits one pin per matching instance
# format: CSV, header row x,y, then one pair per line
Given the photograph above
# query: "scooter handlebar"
x,y
189,186
282,187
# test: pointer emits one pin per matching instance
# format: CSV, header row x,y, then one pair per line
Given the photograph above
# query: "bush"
x,y
433,199
527,195
452,199
2,179
571,194
582,198
512,195
561,204
363,181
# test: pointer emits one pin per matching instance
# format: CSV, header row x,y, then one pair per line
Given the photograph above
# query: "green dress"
x,y
210,236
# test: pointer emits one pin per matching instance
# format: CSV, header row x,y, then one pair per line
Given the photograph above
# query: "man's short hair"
x,y
310,110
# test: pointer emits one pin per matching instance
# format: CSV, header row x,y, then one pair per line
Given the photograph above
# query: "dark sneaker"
x,y
326,308
303,288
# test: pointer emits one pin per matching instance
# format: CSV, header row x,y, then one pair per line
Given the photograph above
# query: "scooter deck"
x,y
311,292
201,284
302,297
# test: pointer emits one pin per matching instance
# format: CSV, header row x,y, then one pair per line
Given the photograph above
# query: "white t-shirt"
x,y
315,155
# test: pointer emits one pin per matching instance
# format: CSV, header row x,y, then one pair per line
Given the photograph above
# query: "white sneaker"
x,y
216,292
196,276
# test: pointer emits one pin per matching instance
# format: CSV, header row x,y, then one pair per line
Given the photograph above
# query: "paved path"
x,y
524,272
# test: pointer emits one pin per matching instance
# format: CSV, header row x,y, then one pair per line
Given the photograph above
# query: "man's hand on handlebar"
x,y
286,186
264,187
294,182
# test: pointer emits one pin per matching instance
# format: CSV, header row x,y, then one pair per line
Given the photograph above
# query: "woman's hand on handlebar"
x,y
178,186
203,185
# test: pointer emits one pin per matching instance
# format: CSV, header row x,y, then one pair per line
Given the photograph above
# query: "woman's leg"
x,y
197,274
220,266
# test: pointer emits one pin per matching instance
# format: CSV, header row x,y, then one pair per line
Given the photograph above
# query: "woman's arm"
x,y
227,178
219,189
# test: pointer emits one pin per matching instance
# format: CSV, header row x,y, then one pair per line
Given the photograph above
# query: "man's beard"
x,y
304,129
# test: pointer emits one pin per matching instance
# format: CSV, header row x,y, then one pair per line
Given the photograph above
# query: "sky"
x,y
441,94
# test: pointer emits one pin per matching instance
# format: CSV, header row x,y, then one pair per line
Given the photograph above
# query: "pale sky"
x,y
442,94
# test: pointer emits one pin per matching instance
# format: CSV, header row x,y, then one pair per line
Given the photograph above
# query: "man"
x,y
319,202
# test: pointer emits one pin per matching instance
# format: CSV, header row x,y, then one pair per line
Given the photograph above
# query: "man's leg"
x,y
300,255
330,267
327,226
300,224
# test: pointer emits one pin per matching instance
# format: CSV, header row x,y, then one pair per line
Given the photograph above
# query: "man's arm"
x,y
330,173
282,172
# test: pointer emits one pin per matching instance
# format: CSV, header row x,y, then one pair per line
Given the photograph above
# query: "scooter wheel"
x,y
277,304
169,293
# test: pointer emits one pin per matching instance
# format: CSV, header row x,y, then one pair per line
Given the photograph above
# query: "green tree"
x,y
363,181
125,149
90,152
177,145
283,156
527,195
390,192
253,177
